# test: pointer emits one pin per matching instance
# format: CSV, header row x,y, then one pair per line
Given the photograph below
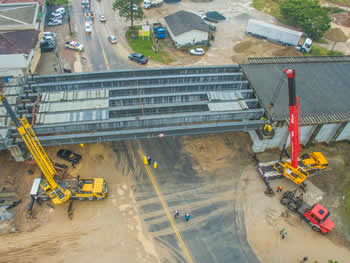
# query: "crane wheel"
x,y
292,207
315,228
284,201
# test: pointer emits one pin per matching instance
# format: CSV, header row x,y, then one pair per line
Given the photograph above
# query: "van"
x,y
88,28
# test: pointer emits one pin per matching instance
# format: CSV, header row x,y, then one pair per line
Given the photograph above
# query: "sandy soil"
x,y
265,216
109,230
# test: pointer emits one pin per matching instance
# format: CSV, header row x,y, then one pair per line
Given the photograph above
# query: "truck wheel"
x,y
284,201
292,207
315,228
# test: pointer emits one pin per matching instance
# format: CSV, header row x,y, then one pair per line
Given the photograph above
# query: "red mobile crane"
x,y
293,169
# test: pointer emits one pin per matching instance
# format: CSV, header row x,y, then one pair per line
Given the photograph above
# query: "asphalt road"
x,y
101,54
216,230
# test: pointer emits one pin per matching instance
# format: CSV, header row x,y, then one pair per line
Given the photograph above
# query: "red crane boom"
x,y
294,117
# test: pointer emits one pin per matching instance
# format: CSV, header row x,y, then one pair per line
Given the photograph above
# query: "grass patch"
x,y
321,51
144,46
268,6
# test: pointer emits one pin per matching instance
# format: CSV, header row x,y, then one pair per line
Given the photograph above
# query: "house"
x,y
21,26
19,52
186,28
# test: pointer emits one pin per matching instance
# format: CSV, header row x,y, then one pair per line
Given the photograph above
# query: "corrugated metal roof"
x,y
74,95
323,87
224,95
74,105
228,106
93,115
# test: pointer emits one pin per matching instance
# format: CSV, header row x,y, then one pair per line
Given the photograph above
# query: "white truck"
x,y
152,3
279,35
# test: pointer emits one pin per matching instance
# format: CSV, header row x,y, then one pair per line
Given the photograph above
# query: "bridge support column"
x,y
17,152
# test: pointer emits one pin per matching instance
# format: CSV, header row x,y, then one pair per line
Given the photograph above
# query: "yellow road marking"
x,y
166,210
103,51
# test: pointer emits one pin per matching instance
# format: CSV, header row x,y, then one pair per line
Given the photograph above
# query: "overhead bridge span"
x,y
131,104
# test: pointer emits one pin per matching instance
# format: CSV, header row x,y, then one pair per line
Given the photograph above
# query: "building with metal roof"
x,y
187,28
323,85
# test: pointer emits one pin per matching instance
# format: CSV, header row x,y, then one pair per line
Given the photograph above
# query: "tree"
x,y
127,11
307,14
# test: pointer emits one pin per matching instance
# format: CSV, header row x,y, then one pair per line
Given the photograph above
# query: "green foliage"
x,y
144,46
126,11
61,2
321,51
332,261
268,6
307,14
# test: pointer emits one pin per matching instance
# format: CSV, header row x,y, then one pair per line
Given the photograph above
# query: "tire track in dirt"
x,y
29,247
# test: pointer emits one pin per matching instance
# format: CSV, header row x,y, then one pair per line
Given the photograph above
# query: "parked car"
x,y
197,52
56,16
49,34
139,58
103,18
134,7
85,3
60,10
55,22
112,39
88,28
69,156
74,45
47,45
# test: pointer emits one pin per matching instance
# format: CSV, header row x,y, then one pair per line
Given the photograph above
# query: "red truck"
x,y
317,216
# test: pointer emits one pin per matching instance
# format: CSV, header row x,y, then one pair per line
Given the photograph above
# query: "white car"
x,y
88,28
197,52
112,39
74,45
60,10
134,7
49,34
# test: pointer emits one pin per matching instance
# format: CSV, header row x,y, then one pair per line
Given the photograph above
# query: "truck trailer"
x,y
152,3
279,35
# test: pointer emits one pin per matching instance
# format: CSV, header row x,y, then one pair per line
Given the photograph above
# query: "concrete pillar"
x,y
17,152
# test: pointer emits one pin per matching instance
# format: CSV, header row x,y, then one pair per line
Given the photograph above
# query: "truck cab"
x,y
306,46
313,162
318,217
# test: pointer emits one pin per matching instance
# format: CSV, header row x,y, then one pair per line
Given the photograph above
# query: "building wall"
x,y
188,38
345,134
325,134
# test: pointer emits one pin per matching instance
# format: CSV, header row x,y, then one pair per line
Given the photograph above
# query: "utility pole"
x,y
58,60
68,17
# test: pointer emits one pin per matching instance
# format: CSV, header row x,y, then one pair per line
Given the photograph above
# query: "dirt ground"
x,y
110,229
52,236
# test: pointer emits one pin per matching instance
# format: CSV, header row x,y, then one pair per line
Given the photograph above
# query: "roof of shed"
x,y
183,21
18,42
18,13
322,84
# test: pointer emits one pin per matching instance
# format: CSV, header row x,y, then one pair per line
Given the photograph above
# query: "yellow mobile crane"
x,y
58,191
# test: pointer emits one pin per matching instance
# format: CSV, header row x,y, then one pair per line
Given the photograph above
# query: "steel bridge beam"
x,y
148,121
149,133
137,73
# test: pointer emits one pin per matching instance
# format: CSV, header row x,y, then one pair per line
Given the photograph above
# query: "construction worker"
x,y
279,189
284,235
187,217
155,165
176,214
149,160
282,231
304,260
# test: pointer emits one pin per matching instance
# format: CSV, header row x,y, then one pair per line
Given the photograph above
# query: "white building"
x,y
186,28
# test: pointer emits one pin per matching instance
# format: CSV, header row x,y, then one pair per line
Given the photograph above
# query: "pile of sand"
x,y
243,46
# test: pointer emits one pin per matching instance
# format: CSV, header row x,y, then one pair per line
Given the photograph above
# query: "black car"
x,y
139,58
69,156
47,45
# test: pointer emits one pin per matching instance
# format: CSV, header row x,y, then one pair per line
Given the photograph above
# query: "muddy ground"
x,y
125,226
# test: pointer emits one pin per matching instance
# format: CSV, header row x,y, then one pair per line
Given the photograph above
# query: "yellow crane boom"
x,y
52,189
